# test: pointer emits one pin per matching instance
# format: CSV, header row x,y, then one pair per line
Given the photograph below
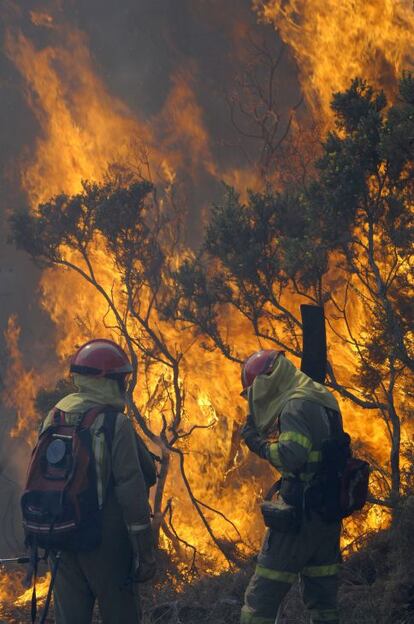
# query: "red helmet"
x,y
258,363
101,358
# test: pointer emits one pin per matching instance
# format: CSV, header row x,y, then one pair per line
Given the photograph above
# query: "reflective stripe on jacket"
x,y
303,425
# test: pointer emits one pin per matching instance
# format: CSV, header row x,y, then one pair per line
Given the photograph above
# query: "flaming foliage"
x,y
334,41
21,386
345,240
125,228
112,249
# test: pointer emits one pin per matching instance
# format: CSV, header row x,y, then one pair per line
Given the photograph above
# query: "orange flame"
x,y
13,596
21,385
85,129
334,42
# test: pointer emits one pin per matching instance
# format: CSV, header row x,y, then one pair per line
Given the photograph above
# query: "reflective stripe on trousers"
x,y
324,615
249,618
276,575
322,570
290,577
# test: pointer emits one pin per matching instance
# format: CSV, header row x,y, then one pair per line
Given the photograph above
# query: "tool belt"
x,y
284,513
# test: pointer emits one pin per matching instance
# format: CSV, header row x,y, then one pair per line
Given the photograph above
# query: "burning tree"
x,y
122,222
344,240
263,131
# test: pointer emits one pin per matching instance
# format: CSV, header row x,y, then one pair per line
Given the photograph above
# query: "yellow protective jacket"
x,y
303,426
290,404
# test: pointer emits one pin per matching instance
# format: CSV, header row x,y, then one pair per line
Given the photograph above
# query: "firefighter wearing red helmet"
x,y
289,418
107,574
101,358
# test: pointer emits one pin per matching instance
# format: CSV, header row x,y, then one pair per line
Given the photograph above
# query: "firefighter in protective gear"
x,y
126,556
286,405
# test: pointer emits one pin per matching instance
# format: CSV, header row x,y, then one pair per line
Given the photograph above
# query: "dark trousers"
x,y
313,554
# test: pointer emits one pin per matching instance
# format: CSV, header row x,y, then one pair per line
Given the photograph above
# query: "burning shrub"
x,y
123,244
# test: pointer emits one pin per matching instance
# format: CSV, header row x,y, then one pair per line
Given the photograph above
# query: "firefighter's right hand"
x,y
144,570
144,565
254,441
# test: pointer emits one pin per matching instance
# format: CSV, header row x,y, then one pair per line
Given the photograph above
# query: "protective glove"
x,y
144,564
254,441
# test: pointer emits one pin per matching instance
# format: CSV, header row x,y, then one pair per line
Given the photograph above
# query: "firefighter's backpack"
x,y
60,505
341,486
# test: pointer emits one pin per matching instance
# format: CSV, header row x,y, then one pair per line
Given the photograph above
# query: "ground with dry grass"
x,y
377,587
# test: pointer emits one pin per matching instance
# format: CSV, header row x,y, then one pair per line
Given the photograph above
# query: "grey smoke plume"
x,y
138,48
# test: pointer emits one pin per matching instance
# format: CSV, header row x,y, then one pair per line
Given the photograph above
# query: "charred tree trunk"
x,y
395,454
314,342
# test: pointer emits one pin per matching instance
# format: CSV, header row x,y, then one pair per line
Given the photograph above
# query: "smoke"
x,y
151,55
169,64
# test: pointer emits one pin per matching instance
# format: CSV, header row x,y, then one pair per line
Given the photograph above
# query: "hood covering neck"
x,y
270,393
92,391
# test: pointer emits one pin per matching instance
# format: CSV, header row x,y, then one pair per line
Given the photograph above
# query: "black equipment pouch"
x,y
281,517
291,491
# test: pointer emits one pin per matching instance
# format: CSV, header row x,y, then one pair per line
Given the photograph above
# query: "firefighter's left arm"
x,y
131,492
291,452
130,488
